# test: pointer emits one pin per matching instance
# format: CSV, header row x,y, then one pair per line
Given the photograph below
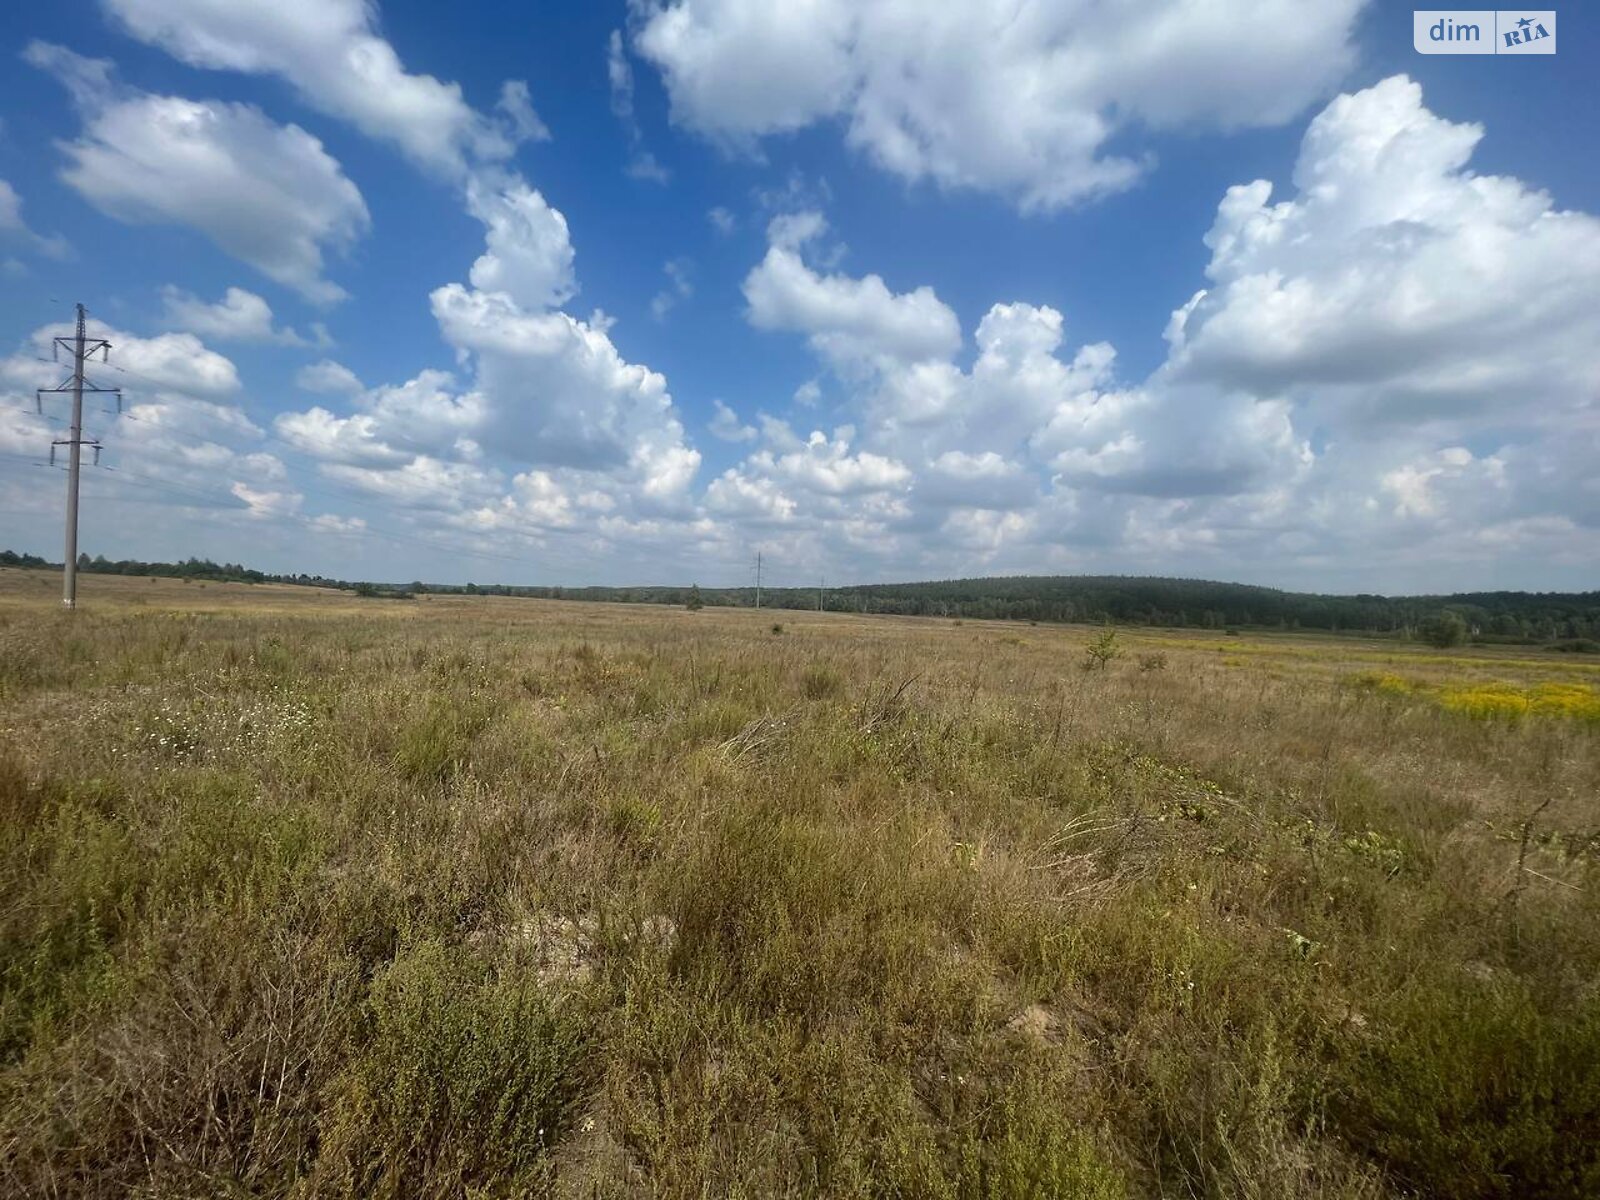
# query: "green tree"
x,y
694,603
1102,650
1443,630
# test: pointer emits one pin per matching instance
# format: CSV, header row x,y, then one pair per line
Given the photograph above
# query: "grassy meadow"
x,y
309,895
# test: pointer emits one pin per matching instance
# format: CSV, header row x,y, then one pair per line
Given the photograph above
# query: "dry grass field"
x,y
304,894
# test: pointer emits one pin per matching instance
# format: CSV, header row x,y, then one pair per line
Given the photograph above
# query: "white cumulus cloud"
x,y
331,53
328,376
14,228
856,324
1020,99
528,254
240,316
1395,360
268,194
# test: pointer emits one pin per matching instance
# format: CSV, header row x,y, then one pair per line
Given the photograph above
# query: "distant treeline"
x,y
1120,599
189,568
1140,600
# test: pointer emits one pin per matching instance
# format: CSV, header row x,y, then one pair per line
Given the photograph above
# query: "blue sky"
x,y
885,293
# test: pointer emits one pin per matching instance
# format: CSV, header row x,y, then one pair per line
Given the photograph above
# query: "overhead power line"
x,y
81,348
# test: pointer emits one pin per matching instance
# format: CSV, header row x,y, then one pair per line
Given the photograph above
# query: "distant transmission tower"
x,y
81,348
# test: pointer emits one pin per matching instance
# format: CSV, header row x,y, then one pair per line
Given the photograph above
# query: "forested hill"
x,y
1123,599
1143,600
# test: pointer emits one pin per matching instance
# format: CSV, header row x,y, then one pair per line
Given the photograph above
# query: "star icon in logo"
x,y
1525,22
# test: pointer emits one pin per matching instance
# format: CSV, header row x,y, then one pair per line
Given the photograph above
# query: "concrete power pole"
x,y
81,348
758,581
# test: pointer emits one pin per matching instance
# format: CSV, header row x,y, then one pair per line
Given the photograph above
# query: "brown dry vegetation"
x,y
307,895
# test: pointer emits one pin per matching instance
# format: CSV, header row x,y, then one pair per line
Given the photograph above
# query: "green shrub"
x,y
463,1079
1575,646
1468,1090
1443,630
1022,1146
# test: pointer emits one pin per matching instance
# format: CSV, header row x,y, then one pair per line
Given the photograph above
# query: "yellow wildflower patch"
x,y
1487,701
1384,683
1491,700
